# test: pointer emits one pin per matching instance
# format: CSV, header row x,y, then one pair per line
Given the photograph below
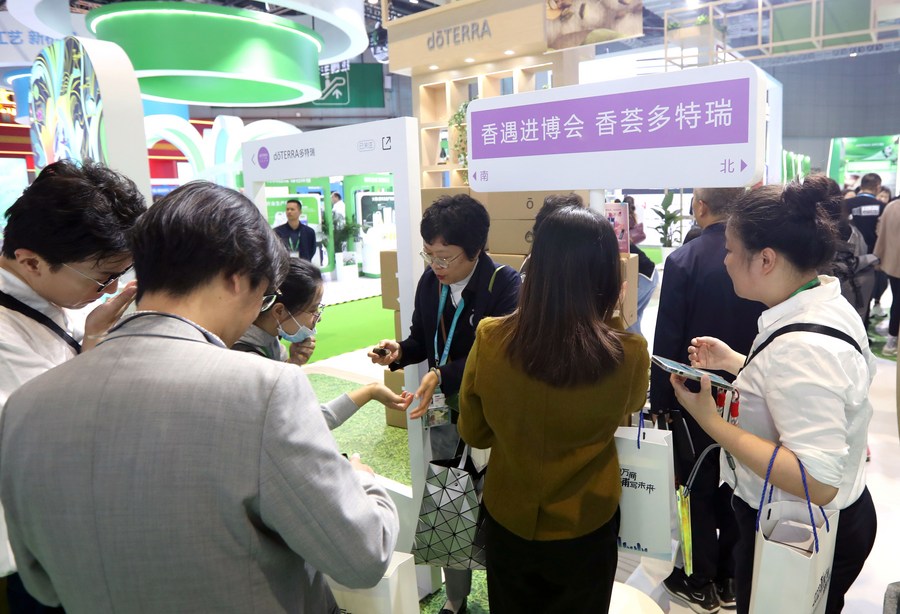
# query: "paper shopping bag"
x,y
792,556
449,530
647,503
396,593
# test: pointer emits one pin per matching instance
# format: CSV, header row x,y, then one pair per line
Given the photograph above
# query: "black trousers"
x,y
20,600
881,284
713,528
857,526
550,577
894,320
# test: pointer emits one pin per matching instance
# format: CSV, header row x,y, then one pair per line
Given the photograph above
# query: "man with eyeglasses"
x,y
176,475
65,246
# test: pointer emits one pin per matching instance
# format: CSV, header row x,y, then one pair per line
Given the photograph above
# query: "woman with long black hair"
x,y
545,388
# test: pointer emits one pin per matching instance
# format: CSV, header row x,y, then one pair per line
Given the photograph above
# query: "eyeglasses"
x,y
318,311
101,285
441,263
269,299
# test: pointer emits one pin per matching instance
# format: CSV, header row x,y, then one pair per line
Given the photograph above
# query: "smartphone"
x,y
381,352
690,372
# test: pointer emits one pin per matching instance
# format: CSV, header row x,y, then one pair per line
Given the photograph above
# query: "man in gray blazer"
x,y
161,472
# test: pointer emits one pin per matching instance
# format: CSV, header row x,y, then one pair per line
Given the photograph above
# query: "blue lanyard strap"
x,y
459,308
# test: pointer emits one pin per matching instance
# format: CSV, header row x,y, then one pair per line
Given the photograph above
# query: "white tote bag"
x,y
396,593
647,473
793,554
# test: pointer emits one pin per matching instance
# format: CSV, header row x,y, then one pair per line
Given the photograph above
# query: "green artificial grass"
x,y
653,253
351,326
478,598
876,341
386,450
382,447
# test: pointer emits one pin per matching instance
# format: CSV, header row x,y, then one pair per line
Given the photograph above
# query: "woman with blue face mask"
x,y
293,316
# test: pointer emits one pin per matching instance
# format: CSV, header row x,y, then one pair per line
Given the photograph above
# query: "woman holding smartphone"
x,y
804,390
545,388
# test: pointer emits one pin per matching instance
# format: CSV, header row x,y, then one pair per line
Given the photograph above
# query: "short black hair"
x,y
870,181
73,212
458,220
300,285
795,220
199,231
292,200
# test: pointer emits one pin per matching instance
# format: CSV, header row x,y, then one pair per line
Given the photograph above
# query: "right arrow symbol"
x,y
743,165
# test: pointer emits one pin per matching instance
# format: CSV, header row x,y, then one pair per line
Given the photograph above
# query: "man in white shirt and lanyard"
x,y
65,246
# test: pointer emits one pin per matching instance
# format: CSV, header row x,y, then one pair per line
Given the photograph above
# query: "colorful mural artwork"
x,y
66,108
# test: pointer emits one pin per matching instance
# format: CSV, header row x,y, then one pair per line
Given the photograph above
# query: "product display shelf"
x,y
437,96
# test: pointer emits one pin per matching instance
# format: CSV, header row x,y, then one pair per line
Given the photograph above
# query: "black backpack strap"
x,y
241,346
804,327
15,304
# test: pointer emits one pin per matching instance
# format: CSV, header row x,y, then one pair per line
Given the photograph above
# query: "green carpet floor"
x,y
385,449
876,340
653,253
380,446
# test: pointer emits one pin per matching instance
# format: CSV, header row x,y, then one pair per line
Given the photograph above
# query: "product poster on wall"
x,y
853,157
571,24
617,214
309,209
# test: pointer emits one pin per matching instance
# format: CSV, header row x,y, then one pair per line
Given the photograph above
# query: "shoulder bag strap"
x,y
493,277
805,327
15,304
241,346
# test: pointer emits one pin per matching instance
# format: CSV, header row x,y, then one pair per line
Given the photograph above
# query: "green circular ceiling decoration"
x,y
213,55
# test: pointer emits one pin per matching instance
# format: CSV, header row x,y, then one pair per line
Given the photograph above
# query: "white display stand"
x,y
389,146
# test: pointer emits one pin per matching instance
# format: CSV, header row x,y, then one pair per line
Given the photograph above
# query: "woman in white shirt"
x,y
807,391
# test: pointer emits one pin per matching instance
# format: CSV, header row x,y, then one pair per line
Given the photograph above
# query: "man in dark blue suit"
x,y
697,298
298,238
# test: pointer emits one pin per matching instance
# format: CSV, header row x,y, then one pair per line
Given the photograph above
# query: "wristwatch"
x,y
437,372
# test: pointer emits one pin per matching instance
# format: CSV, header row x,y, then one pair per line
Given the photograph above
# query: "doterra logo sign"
x,y
459,35
263,157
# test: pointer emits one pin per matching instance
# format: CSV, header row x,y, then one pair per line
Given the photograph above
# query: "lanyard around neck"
x,y
10,302
441,360
807,286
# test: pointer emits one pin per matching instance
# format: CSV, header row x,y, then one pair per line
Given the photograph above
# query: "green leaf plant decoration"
x,y
669,227
457,124
345,231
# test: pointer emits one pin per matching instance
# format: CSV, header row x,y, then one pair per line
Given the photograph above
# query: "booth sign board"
x,y
699,127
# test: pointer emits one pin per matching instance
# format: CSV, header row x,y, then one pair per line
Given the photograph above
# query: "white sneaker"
x,y
882,328
890,346
877,311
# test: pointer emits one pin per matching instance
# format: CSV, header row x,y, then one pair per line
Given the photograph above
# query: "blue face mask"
x,y
303,333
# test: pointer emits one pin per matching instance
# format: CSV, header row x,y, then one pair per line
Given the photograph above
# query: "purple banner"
x,y
714,113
